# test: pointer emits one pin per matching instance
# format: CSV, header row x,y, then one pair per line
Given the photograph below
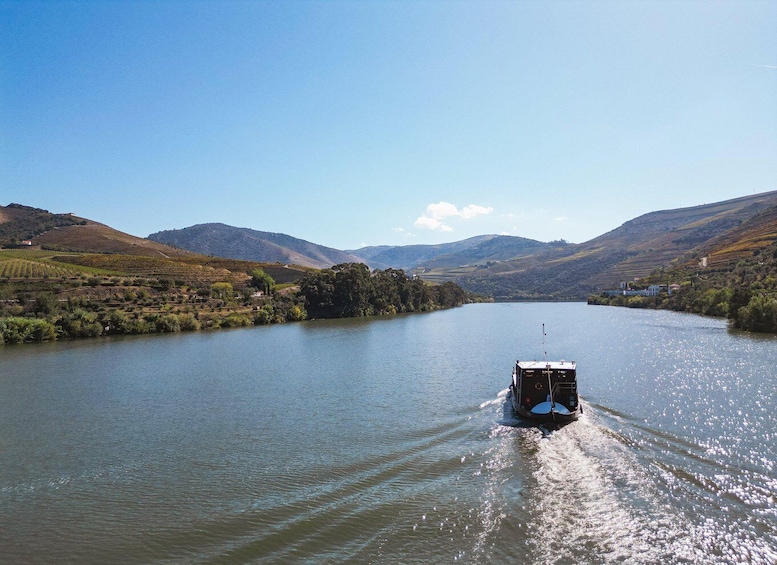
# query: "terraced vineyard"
x,y
754,236
195,270
281,274
25,269
152,267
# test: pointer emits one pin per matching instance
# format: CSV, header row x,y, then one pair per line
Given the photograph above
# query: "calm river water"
x,y
389,441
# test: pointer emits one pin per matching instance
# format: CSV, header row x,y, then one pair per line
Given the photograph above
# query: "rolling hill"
x,y
222,240
504,267
71,246
411,256
514,268
653,241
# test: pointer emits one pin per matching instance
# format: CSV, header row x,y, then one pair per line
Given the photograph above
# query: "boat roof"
x,y
568,365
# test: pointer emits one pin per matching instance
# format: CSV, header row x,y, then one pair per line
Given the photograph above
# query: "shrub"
x,y
188,322
169,323
236,320
264,315
296,313
22,330
79,323
139,326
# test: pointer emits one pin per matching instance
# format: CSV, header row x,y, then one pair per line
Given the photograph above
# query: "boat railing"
x,y
560,389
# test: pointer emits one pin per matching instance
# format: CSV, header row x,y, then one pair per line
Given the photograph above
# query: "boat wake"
x,y
591,495
589,500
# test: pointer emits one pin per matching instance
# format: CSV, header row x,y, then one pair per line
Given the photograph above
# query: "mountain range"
x,y
505,267
510,268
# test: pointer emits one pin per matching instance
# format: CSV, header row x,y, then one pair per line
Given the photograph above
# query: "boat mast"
x,y
548,373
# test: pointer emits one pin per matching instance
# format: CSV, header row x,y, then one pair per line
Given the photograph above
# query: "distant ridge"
x,y
230,242
656,240
504,267
411,256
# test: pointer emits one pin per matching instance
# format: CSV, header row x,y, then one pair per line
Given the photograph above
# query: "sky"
x,y
354,123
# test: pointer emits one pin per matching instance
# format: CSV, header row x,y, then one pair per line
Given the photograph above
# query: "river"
x,y
389,440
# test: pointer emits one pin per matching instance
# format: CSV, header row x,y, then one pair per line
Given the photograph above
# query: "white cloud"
x,y
436,215
404,232
431,223
441,210
474,210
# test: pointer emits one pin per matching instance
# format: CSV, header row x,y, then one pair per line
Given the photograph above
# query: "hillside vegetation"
x,y
45,295
65,276
658,240
731,275
58,287
20,223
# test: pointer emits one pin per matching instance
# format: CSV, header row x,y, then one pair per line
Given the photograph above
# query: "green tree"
x,y
296,313
222,290
45,303
262,281
353,290
760,314
350,290
389,285
318,290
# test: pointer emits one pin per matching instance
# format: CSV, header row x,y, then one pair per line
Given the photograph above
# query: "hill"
x,y
661,238
745,242
504,267
733,274
222,240
19,223
68,232
657,240
411,256
65,245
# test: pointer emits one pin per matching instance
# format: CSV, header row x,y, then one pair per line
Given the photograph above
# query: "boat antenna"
x,y
548,372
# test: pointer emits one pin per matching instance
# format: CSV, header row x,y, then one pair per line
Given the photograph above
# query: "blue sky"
x,y
385,122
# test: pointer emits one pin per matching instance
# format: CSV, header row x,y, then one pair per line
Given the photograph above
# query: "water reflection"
x,y
391,440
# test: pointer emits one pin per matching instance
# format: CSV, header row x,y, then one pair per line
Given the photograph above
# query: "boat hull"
x,y
558,413
545,391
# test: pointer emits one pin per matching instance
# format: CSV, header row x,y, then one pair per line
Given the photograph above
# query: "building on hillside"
x,y
626,290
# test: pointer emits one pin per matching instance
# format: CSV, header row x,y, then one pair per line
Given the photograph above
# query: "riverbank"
x,y
753,310
78,307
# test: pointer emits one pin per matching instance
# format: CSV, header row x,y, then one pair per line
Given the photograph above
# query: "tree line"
x,y
37,311
351,290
